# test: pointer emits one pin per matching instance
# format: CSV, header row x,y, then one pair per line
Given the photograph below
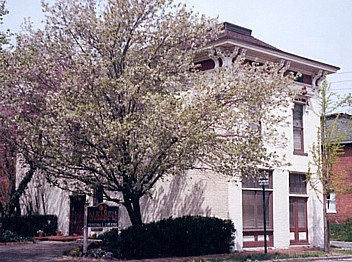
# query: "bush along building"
x,y
294,214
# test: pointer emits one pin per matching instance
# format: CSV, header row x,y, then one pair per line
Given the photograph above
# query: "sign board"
x,y
103,216
263,181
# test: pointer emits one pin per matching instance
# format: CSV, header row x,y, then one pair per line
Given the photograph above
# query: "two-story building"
x,y
294,214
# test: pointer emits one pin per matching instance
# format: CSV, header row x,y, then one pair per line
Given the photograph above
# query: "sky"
x,y
316,29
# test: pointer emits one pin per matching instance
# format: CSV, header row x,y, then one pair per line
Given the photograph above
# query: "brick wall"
x,y
343,170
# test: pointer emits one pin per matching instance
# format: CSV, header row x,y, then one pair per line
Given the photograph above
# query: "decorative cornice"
x,y
317,78
225,54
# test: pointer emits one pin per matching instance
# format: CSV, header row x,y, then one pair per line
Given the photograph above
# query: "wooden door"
x,y
77,214
298,221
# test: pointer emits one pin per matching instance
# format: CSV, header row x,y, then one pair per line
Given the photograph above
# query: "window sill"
x,y
298,195
247,230
300,153
331,212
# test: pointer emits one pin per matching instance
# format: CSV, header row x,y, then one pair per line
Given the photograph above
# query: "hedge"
x,y
185,236
341,232
29,226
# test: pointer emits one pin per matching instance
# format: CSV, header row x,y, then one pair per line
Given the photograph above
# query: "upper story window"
x,y
300,77
206,65
303,78
298,131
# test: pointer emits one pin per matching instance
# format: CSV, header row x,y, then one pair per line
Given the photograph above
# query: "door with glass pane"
x,y
298,221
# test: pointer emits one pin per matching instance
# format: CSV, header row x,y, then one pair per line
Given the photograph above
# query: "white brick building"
x,y
294,212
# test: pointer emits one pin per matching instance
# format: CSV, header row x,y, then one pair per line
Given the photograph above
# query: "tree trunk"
x,y
131,202
13,206
326,223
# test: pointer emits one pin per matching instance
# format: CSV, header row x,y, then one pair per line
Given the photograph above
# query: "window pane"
x,y
250,182
298,184
248,206
260,217
292,217
267,208
297,139
252,207
253,182
331,202
260,222
298,127
302,221
298,115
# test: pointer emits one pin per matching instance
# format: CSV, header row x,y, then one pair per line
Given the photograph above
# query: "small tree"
x,y
107,96
9,140
324,153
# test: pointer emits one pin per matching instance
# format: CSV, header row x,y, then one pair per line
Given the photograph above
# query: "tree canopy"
x,y
107,96
3,12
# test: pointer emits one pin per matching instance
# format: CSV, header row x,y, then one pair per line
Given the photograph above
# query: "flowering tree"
x,y
3,12
9,191
107,97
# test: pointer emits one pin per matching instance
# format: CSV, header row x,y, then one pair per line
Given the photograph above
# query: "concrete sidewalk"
x,y
340,244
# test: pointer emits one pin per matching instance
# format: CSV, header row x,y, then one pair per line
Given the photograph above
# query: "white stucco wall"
x,y
42,198
281,212
190,194
235,211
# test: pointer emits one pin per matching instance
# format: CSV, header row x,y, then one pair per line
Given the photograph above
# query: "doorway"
x,y
77,214
298,221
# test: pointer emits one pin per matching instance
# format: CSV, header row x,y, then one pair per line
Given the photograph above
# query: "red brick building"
x,y
340,201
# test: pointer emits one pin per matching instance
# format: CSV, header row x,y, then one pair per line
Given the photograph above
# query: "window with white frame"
x,y
331,202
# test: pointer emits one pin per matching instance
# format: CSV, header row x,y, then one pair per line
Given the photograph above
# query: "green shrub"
x,y
9,236
30,225
185,236
112,242
341,232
